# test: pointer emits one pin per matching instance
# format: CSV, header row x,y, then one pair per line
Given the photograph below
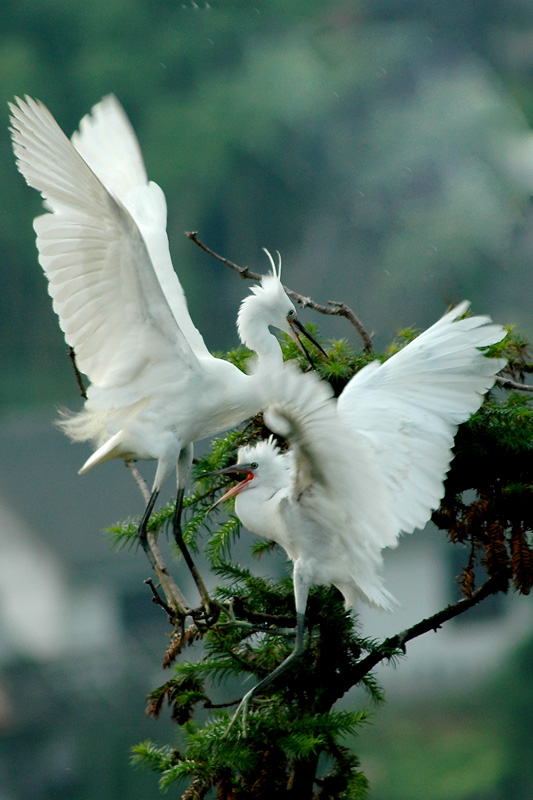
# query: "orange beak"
x,y
236,469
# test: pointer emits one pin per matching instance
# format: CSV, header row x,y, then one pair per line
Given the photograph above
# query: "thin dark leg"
x,y
178,533
301,591
141,530
296,653
184,466
178,605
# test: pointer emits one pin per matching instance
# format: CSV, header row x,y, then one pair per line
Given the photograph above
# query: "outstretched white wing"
x,y
410,408
336,484
107,142
109,300
328,458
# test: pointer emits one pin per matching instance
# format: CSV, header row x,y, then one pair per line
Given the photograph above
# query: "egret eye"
x,y
292,313
254,465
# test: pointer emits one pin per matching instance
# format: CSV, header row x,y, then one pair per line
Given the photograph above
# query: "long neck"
x,y
258,510
228,397
268,350
255,333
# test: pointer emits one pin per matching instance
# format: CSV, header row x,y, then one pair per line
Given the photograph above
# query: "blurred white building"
x,y
421,574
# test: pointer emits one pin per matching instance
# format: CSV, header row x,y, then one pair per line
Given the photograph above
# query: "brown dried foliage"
x,y
496,559
522,562
469,523
197,790
180,640
180,697
467,580
153,709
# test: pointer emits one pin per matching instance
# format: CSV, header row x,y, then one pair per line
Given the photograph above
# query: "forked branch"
x,y
508,383
334,307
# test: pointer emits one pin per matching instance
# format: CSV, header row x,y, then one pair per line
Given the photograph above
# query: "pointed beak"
x,y
295,327
233,470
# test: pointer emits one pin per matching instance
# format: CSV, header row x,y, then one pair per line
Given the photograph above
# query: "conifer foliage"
x,y
295,742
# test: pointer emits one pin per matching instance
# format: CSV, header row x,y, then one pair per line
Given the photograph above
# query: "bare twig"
x,y
242,610
77,373
173,594
139,480
157,599
508,383
244,272
334,307
342,310
397,642
175,599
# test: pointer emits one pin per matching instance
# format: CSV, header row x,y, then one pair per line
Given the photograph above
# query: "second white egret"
x,y
364,469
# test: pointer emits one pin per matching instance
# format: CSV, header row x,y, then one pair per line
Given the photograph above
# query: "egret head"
x,y
269,306
262,465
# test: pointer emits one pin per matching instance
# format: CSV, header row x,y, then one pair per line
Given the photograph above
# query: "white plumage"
x,y
154,386
363,469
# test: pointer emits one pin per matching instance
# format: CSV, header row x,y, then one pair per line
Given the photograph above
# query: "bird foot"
x,y
242,709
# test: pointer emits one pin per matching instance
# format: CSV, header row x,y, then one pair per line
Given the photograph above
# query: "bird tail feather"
x,y
113,448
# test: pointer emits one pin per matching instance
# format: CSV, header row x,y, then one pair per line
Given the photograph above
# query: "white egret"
x,y
364,469
154,386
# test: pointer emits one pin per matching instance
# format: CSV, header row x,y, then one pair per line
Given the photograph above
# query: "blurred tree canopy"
x,y
376,145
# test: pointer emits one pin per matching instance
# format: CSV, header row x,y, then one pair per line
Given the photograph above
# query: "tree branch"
x,y
397,642
334,307
175,599
342,310
77,373
508,383
173,594
242,610
156,597
139,480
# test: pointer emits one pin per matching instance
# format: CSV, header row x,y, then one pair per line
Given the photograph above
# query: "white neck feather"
x,y
254,332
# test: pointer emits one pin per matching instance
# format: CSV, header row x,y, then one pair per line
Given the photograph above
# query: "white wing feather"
x,y
106,293
409,408
107,142
336,486
373,464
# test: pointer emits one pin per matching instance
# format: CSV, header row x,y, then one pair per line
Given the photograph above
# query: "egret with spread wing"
x,y
154,386
364,469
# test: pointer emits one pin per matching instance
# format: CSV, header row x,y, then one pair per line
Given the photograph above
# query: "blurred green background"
x,y
383,147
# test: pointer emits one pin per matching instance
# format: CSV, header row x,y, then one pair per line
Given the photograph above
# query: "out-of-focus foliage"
x,y
471,745
370,142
